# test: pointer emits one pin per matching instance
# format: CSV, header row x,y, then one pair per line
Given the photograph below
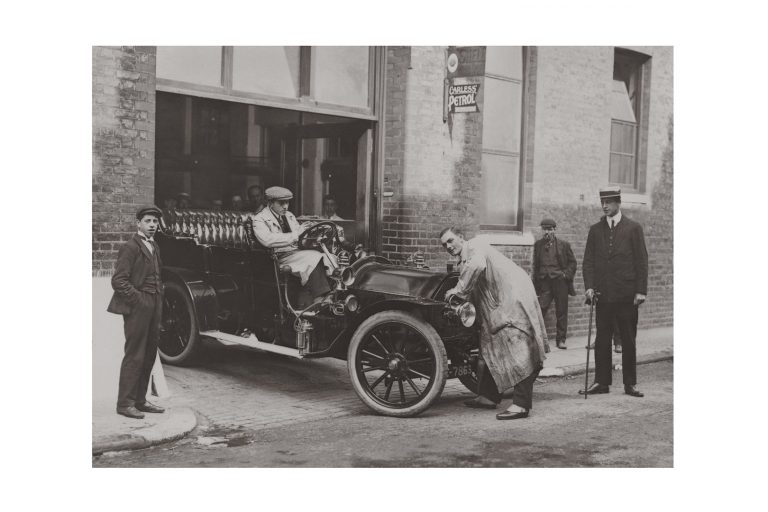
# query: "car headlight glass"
x,y
467,314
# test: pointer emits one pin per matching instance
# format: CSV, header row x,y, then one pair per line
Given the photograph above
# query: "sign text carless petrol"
x,y
463,98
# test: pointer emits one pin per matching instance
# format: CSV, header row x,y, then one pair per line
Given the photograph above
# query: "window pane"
x,y
500,189
340,75
621,105
622,169
272,70
622,138
504,60
193,64
501,115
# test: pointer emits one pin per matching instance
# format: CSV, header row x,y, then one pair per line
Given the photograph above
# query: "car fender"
x,y
203,295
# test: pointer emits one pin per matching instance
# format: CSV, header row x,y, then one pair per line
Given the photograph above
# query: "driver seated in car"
x,y
276,228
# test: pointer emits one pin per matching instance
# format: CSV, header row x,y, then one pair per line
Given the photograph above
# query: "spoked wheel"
x,y
179,334
397,363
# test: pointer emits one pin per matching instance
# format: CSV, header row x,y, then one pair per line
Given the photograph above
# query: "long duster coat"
x,y
513,337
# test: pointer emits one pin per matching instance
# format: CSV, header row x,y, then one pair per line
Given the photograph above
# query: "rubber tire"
x,y
191,352
435,343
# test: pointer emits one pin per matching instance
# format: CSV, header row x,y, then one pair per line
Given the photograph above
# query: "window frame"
x,y
304,102
641,106
521,154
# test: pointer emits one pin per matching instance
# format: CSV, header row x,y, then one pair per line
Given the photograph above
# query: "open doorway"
x,y
213,154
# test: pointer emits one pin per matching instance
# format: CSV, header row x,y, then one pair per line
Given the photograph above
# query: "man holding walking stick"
x,y
615,266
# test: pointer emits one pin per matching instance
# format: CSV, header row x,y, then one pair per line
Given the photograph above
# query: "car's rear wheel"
x,y
397,363
179,334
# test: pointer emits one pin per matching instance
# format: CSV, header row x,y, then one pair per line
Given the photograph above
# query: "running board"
x,y
253,342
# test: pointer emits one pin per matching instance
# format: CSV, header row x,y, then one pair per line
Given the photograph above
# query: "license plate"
x,y
460,370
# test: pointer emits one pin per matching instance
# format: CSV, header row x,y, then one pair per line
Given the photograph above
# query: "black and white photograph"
x,y
391,255
354,243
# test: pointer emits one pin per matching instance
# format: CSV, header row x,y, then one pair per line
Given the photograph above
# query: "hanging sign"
x,y
463,98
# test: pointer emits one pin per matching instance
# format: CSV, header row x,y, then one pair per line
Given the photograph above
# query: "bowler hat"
x,y
612,192
547,222
278,194
149,209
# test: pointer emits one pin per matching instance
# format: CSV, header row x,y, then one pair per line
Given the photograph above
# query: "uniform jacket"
x,y
507,305
134,262
620,273
565,260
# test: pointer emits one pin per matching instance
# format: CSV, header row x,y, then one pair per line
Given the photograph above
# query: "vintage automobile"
x,y
391,323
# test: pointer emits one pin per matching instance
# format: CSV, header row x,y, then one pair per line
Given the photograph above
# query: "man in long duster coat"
x,y
513,337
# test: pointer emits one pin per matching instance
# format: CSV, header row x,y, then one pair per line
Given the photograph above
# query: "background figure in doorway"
x,y
236,203
256,200
329,208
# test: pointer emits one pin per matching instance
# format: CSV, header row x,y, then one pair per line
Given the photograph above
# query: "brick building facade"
x,y
428,167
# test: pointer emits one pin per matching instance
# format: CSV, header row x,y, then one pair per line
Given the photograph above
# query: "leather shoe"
x,y
631,391
474,404
149,407
595,389
561,345
512,415
130,412
617,349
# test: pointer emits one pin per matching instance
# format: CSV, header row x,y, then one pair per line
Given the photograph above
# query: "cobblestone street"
x,y
245,390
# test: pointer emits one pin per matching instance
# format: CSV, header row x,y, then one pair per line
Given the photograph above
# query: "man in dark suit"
x,y
615,271
554,267
139,298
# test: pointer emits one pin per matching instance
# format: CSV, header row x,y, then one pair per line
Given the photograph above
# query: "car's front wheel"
x,y
397,363
179,334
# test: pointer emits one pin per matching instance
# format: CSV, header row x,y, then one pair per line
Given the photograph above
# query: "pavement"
x,y
114,433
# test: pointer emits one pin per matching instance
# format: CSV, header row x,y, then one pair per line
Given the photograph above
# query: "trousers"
x,y
624,316
555,288
142,331
522,392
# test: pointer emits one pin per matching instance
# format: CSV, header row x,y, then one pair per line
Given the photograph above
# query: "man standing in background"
x,y
615,271
554,267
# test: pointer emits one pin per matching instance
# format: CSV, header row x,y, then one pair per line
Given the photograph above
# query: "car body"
x,y
400,337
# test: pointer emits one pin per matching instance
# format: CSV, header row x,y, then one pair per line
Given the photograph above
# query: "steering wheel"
x,y
323,233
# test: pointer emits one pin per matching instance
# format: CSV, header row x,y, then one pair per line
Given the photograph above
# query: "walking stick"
x,y
589,341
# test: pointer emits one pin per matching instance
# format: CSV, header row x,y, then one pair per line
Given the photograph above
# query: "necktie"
x,y
284,224
613,224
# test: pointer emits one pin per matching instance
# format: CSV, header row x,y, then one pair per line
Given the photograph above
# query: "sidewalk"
x,y
652,345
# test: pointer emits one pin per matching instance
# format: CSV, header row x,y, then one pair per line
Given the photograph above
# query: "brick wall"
x,y
571,164
123,146
431,167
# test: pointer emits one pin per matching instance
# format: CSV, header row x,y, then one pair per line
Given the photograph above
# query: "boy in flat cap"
x,y
615,266
139,298
277,228
554,267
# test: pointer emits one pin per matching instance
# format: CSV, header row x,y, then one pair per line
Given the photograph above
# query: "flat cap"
x,y
278,194
547,222
149,209
610,192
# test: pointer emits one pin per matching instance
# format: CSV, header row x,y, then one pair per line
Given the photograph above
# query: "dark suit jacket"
x,y
134,262
565,260
620,274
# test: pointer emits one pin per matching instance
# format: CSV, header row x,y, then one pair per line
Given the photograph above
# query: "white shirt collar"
x,y
144,237
616,218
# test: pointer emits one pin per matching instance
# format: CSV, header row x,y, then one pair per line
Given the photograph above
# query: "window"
x,y
629,126
334,80
502,127
194,64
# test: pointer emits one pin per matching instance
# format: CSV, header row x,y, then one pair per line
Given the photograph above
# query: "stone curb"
x,y
576,369
180,423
